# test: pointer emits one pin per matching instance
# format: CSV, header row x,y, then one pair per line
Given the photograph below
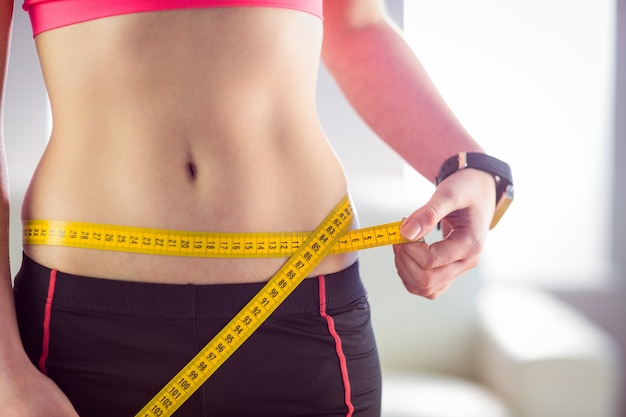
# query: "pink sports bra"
x,y
51,14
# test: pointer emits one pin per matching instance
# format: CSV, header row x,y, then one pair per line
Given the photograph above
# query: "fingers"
x,y
459,245
466,198
464,204
429,270
423,220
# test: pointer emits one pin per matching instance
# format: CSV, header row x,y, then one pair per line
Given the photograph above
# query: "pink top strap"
x,y
51,14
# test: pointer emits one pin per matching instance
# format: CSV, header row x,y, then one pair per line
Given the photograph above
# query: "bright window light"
x,y
533,82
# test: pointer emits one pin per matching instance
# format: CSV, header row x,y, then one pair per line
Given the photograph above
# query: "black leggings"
x,y
112,345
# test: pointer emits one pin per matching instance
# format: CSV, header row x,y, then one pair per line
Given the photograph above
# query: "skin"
x,y
195,94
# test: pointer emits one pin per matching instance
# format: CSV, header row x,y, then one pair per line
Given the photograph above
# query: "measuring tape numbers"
x,y
195,244
262,305
304,250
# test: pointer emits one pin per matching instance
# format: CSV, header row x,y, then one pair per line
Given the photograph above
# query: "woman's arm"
x,y
24,391
387,85
389,88
10,345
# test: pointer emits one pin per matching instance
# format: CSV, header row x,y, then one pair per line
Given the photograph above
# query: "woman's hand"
x,y
464,203
26,392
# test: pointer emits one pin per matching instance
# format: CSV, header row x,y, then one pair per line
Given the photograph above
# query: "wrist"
x,y
14,360
499,170
12,354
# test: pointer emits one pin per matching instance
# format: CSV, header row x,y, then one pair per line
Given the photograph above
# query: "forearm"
x,y
387,85
11,350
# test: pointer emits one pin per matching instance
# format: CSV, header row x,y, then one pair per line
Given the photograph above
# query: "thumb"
x,y
424,219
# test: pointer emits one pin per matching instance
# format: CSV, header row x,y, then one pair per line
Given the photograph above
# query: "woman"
x,y
200,115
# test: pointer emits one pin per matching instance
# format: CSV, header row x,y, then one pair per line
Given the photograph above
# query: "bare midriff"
x,y
199,119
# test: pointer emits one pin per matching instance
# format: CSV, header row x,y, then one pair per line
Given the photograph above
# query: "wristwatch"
x,y
501,172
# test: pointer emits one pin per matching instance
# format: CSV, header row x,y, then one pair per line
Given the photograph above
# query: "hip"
x,y
110,339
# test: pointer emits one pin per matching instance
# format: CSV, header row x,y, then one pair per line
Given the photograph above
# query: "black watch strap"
x,y
501,172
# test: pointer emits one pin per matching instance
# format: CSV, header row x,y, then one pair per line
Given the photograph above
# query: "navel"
x,y
192,170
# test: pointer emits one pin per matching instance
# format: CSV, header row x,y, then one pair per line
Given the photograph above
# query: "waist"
x,y
178,187
269,181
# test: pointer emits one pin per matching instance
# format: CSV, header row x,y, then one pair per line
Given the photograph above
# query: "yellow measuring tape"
x,y
195,244
305,251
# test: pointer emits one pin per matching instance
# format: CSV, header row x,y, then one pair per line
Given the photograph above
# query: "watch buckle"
x,y
462,158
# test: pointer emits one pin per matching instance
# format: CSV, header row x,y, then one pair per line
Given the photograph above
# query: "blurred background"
x,y
541,84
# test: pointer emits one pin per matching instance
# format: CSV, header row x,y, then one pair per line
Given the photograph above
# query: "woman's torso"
x,y
196,119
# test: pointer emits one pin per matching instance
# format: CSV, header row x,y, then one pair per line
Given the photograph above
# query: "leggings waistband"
x,y
178,301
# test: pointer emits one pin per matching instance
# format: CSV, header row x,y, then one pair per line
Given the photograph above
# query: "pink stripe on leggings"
x,y
338,346
45,348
